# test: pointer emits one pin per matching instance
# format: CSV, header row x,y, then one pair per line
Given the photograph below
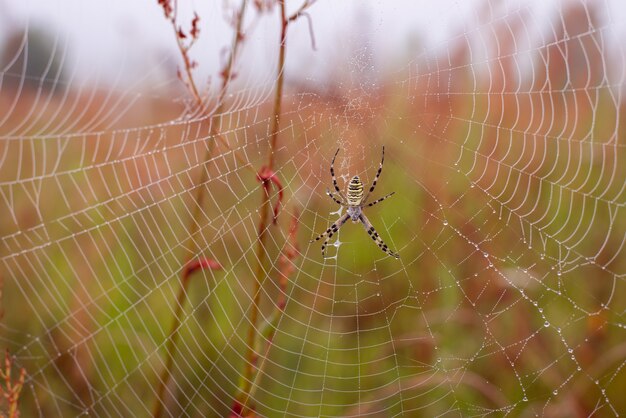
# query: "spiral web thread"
x,y
505,148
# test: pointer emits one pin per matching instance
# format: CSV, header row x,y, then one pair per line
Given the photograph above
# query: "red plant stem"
x,y
279,84
188,67
259,278
268,178
290,252
11,391
251,355
227,72
200,193
184,52
190,268
170,350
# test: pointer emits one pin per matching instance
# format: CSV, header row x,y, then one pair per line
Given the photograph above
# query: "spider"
x,y
355,203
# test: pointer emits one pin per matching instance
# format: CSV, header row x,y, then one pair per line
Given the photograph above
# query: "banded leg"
x,y
334,228
334,198
332,173
380,170
380,200
339,222
377,239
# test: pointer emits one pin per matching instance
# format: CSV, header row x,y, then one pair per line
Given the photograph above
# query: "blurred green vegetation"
x,y
508,297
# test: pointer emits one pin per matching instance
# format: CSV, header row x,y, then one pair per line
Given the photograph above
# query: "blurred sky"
x,y
124,43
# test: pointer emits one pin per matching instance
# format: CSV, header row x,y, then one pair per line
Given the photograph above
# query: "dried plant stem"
x,y
227,77
10,390
188,67
227,72
289,253
261,253
278,97
170,350
184,53
251,354
1,298
191,245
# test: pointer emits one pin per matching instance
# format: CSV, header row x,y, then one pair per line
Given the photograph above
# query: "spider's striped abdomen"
x,y
355,191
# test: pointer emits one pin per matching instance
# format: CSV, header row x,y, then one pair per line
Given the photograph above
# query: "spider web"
x,y
501,123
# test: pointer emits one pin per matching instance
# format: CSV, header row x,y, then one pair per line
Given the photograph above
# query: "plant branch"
x,y
227,72
172,341
302,12
194,225
245,387
286,268
9,390
246,382
171,14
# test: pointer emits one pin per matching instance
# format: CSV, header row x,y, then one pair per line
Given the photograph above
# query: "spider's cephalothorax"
x,y
354,204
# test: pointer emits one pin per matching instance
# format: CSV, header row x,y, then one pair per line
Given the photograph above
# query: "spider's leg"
x,y
380,170
320,236
377,239
333,229
334,198
332,173
379,200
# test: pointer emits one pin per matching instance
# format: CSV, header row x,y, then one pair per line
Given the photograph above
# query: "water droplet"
x,y
445,222
546,324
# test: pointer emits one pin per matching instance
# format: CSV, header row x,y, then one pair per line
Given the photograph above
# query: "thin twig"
x,y
302,12
171,14
279,84
227,71
246,382
286,268
10,390
251,356
194,225
188,270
